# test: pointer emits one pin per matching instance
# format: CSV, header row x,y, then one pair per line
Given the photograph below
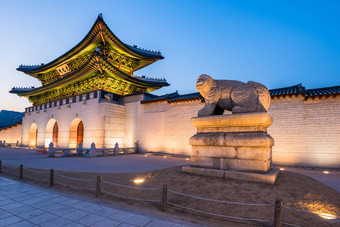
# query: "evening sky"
x,y
277,43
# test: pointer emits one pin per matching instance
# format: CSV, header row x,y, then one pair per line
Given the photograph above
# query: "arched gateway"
x,y
33,136
76,135
51,134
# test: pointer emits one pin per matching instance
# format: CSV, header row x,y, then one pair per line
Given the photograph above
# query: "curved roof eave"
x,y
84,70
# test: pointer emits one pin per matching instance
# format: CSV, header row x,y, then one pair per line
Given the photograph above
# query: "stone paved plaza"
x,y
25,205
108,164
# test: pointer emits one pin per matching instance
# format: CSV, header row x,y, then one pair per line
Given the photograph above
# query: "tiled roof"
x,y
297,89
187,97
292,90
19,122
323,91
160,98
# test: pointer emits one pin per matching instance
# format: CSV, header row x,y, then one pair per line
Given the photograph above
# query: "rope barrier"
x,y
127,197
67,185
9,172
9,166
303,211
219,201
33,171
126,186
220,215
290,224
35,178
72,178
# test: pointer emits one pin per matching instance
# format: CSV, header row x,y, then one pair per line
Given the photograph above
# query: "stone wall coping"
x,y
232,120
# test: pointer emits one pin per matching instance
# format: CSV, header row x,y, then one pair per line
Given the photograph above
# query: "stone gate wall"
x,y
306,133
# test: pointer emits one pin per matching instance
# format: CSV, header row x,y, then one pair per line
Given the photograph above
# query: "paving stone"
x,y
42,218
6,202
56,222
107,211
74,224
157,223
93,208
126,225
122,216
20,209
9,220
51,208
31,213
107,223
80,205
23,223
22,198
31,201
11,206
90,219
68,201
75,215
58,199
63,210
41,204
4,214
139,220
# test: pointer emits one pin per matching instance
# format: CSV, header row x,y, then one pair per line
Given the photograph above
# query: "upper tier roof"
x,y
99,33
90,68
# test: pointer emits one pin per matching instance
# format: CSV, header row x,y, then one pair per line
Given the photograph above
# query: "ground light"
x,y
187,159
326,172
282,169
138,180
326,216
164,156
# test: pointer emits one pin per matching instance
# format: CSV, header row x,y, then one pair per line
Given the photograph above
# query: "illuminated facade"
x,y
85,84
90,94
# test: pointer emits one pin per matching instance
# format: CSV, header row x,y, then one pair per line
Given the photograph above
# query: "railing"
x,y
103,187
92,151
5,144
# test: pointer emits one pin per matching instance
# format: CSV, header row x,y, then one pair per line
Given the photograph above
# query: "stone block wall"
x,y
11,135
306,133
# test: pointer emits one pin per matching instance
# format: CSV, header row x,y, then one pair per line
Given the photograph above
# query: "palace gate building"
x,y
90,94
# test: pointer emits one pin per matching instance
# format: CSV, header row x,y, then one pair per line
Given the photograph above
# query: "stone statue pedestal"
x,y
233,146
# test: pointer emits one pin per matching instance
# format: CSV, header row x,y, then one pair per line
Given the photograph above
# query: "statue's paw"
x,y
205,112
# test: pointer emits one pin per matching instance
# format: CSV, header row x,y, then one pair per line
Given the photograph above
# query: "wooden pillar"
x,y
21,171
277,212
165,198
51,177
99,184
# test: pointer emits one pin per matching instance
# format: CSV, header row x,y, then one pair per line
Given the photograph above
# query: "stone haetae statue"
x,y
232,95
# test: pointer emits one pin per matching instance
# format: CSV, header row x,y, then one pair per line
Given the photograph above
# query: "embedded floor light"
x,y
326,216
138,180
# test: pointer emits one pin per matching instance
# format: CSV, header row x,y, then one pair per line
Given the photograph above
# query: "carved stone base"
x,y
236,142
268,178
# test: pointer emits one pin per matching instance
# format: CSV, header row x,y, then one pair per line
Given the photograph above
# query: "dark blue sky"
x,y
277,43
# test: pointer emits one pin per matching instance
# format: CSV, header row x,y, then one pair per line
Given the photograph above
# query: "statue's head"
x,y
204,84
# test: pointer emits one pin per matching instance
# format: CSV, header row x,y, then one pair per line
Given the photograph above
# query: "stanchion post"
x,y
21,171
99,185
51,177
165,197
278,213
0,165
